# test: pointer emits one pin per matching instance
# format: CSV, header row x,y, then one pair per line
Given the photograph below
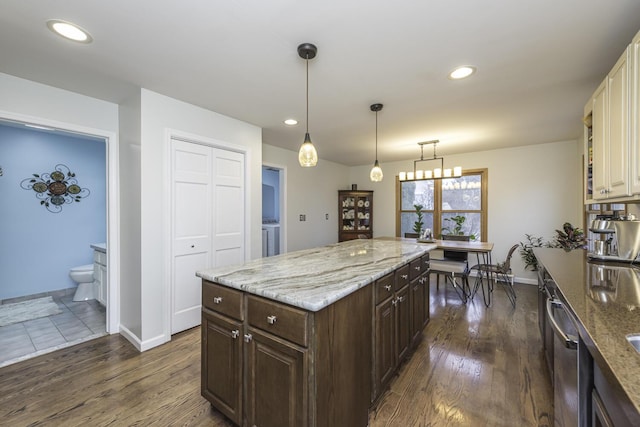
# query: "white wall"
x,y
159,114
532,189
130,218
312,192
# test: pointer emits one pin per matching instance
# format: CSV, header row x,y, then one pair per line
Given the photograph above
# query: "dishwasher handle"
x,y
569,342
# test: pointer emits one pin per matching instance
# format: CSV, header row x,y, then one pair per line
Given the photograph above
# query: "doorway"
x,y
273,210
59,228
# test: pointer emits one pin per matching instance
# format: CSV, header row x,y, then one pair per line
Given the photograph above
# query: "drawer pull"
x,y
387,287
271,320
417,268
248,337
404,276
400,299
235,334
395,301
217,300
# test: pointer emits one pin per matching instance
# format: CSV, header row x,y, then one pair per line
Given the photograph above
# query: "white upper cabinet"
x,y
612,155
634,116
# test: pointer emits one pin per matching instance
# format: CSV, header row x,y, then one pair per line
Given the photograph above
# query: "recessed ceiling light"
x,y
69,31
462,72
291,122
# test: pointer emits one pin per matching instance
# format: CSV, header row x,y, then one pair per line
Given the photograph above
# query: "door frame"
x,y
113,209
168,204
282,202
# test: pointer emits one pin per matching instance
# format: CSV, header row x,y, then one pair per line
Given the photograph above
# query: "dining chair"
x,y
453,265
489,274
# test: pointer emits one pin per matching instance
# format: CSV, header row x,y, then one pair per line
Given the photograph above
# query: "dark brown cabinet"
x,y
355,215
419,297
401,312
261,359
276,381
221,381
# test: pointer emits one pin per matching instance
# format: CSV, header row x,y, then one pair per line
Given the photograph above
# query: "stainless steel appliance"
x,y
619,239
565,363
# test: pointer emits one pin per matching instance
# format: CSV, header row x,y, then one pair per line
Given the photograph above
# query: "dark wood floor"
x,y
475,367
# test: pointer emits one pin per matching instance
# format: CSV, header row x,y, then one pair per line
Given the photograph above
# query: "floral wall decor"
x,y
56,188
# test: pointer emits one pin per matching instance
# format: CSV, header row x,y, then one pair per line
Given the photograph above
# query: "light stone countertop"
x,y
101,247
313,279
606,315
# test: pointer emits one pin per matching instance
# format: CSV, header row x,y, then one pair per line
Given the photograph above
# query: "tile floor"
x,y
78,322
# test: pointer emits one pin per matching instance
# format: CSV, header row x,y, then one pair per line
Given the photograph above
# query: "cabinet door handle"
x,y
388,287
395,301
404,276
271,320
248,337
235,334
217,300
400,299
417,268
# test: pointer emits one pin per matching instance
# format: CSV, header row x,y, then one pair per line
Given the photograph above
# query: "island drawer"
x,y
415,268
279,319
222,300
384,288
402,276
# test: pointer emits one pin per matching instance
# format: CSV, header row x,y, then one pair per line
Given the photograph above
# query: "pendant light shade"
x,y
376,172
307,156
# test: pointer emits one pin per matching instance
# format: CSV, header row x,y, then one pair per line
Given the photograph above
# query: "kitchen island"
x,y
313,337
605,300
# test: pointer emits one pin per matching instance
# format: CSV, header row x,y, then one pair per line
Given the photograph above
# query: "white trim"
x,y
113,212
170,134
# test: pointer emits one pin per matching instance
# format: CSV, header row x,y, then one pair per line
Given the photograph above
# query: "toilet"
x,y
83,276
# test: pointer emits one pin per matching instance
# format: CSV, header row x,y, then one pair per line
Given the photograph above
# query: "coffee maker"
x,y
619,239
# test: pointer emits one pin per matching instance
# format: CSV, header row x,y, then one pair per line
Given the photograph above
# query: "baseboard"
x,y
131,337
142,345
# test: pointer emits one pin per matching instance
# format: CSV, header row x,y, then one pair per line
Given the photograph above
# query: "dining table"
x,y
484,280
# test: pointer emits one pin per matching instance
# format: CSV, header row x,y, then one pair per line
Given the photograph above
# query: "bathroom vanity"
x,y
100,272
311,338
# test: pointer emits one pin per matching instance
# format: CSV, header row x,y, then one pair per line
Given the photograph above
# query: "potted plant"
x,y
569,238
417,226
458,220
526,251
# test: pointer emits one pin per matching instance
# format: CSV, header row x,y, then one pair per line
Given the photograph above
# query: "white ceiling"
x,y
538,62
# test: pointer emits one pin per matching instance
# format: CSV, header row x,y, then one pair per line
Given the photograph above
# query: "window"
x,y
443,200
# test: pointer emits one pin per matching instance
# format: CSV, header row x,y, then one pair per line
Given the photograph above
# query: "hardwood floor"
x,y
474,367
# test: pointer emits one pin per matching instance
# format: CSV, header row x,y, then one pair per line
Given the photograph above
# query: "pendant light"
x,y
307,156
376,171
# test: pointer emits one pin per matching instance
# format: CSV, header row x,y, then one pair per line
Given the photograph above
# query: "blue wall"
x,y
37,247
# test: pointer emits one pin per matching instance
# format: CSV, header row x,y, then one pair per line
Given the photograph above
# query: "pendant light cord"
x,y
376,136
307,93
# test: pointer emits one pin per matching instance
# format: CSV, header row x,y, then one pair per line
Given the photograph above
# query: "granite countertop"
x,y
604,297
315,278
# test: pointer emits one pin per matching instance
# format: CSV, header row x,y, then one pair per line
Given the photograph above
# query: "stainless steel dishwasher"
x,y
565,363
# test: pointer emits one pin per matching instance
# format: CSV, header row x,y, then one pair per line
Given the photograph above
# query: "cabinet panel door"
x,y
386,356
418,308
600,132
221,382
618,106
276,382
403,323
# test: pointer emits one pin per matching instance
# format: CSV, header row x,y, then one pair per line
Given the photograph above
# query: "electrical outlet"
x,y
326,216
303,217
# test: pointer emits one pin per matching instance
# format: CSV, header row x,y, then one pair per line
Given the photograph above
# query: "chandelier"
x,y
436,173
